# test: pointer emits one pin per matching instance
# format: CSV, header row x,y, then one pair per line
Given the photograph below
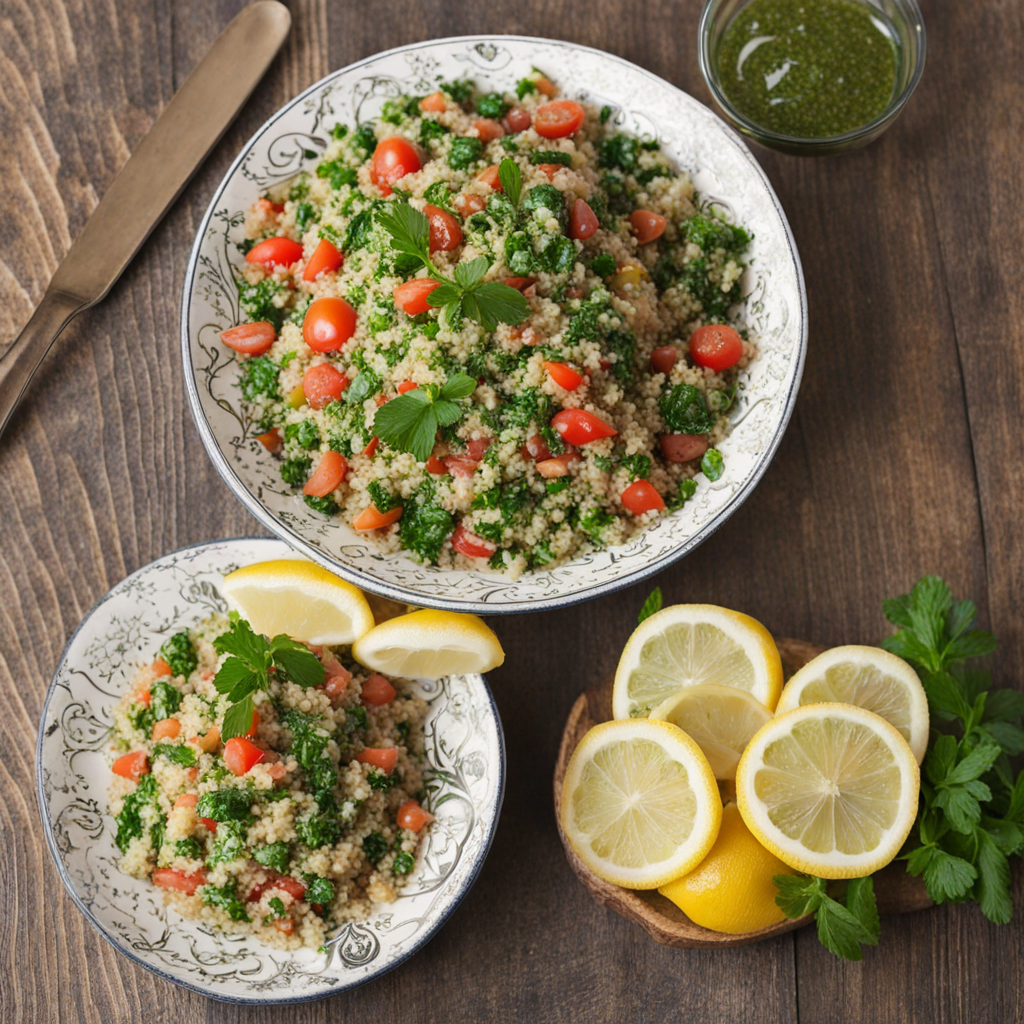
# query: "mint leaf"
x,y
993,887
840,932
651,605
470,274
445,295
500,303
297,661
409,230
841,929
241,641
238,719
458,385
231,673
408,423
799,895
511,180
860,901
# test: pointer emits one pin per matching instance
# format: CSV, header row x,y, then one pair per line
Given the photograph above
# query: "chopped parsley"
x,y
180,653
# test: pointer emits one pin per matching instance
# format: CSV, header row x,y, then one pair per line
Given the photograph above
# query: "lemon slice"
x,y
830,789
300,599
872,679
429,644
639,803
721,720
691,644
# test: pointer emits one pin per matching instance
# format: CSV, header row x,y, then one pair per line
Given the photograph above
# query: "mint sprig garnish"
x,y
409,423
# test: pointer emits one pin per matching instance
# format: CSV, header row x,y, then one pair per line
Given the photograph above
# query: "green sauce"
x,y
808,68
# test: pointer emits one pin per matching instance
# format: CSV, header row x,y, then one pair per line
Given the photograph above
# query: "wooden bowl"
x,y
896,891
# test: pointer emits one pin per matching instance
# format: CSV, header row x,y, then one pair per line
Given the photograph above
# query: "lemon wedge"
x,y
639,803
872,679
300,599
830,789
429,644
692,644
721,720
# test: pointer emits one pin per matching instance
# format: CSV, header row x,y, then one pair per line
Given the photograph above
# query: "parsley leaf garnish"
x,y
511,179
651,605
842,929
409,423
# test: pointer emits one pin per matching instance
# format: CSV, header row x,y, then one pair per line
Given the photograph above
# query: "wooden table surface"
x,y
903,458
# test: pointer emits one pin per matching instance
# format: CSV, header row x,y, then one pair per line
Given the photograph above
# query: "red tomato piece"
x,y
168,878
392,160
564,375
663,359
272,440
488,130
322,384
371,449
549,169
210,825
578,427
469,544
490,177
411,816
551,469
434,102
275,252
461,465
445,233
647,225
377,691
476,447
371,519
240,755
640,497
328,475
384,758
545,86
166,729
160,668
683,447
250,339
716,346
436,466
518,120
559,119
412,296
131,766
407,385
255,724
290,885
469,204
336,684
582,221
329,322
519,283
536,448
187,800
325,259
285,925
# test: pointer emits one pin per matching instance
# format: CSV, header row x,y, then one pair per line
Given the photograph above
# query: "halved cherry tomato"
x,y
328,324
384,758
325,258
549,169
468,204
434,102
250,339
160,668
469,544
187,800
168,878
535,448
518,120
131,766
377,691
647,225
393,159
663,359
564,375
371,449
407,385
576,426
240,755
582,221
488,130
519,283
411,816
412,295
683,447
559,119
551,469
490,177
371,519
272,440
322,384
640,497
275,252
327,476
716,346
435,466
445,233
166,729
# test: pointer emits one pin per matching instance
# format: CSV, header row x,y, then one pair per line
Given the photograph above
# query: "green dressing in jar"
x,y
808,68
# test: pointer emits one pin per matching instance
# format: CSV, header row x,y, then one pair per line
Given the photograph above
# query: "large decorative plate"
x,y
725,173
464,746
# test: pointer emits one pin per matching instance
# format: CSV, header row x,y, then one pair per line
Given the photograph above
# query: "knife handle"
x,y
22,359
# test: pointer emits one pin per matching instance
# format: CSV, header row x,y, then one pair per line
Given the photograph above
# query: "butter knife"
x,y
145,188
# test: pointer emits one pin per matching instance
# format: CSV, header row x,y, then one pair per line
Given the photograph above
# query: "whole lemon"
x,y
731,890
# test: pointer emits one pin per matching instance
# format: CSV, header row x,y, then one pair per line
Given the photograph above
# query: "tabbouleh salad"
x,y
491,329
269,787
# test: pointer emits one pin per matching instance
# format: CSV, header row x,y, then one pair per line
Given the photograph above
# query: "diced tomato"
x,y
518,119
371,519
322,384
469,544
285,925
267,208
582,221
411,816
519,283
551,469
393,159
377,691
663,359
436,466
131,766
640,497
549,169
578,427
168,878
336,683
489,176
407,385
535,448
277,771
468,204
290,885
477,446
716,346
144,698
250,339
545,86
329,322
445,233
240,754
682,447
160,668
166,729
328,475
488,130
412,295
647,225
209,741
187,800
255,724
435,103
559,119
209,824
371,449
461,465
325,259
384,758
275,252
564,375
272,441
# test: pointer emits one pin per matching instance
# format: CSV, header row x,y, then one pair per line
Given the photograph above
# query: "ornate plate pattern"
x,y
464,746
724,172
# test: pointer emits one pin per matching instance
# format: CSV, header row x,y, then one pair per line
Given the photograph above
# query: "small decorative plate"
x,y
724,172
465,749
